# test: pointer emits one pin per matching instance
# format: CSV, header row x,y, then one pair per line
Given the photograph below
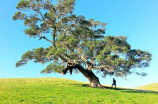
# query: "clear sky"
x,y
137,19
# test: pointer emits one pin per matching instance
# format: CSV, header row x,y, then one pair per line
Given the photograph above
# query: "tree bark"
x,y
93,79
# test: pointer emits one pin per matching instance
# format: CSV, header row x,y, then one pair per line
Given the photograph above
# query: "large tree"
x,y
78,45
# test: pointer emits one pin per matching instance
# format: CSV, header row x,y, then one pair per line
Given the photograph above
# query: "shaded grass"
x,y
65,91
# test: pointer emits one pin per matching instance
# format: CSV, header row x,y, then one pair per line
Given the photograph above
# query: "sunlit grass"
x,y
64,91
152,87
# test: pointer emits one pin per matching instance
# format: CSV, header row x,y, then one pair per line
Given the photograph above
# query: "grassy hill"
x,y
64,91
152,87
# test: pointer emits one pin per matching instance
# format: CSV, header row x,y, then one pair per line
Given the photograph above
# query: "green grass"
x,y
152,87
64,91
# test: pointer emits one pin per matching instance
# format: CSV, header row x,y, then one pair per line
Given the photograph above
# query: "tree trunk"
x,y
93,79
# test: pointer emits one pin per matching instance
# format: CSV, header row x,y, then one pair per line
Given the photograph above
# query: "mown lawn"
x,y
64,91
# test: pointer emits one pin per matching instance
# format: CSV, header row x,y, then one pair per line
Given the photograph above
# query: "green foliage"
x,y
19,15
38,55
32,32
39,52
117,44
60,51
31,22
76,38
53,67
51,51
49,15
16,15
27,56
23,4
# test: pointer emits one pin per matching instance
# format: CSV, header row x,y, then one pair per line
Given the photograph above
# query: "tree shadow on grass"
x,y
78,85
120,89
133,90
124,89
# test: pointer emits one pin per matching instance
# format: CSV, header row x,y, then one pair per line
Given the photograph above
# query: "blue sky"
x,y
137,19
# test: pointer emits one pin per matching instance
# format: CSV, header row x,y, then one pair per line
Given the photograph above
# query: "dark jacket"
x,y
114,81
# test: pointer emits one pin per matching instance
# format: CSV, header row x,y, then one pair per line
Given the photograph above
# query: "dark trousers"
x,y
114,85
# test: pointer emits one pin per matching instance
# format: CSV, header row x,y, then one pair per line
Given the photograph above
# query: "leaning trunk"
x,y
93,79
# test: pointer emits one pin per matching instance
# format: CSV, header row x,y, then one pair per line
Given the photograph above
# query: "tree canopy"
x,y
76,41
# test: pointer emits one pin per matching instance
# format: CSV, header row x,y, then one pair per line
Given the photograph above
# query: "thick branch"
x,y
46,39
108,68
62,58
100,67
82,57
92,60
88,64
69,47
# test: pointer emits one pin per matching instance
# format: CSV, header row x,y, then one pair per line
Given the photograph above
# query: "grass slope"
x,y
152,87
64,91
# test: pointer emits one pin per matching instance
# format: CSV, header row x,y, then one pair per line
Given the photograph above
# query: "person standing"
x,y
114,83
